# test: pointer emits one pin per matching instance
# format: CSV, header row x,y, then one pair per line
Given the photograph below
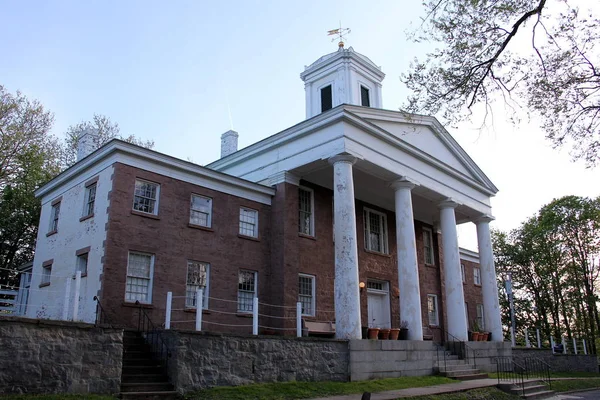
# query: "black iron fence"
x,y
158,346
516,372
101,317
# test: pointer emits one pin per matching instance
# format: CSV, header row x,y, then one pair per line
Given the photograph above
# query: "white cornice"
x,y
468,255
116,146
342,56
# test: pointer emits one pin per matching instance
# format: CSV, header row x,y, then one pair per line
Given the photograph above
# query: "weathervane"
x,y
340,33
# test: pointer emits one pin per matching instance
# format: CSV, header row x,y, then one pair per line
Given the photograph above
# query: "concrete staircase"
x,y
142,376
458,369
529,390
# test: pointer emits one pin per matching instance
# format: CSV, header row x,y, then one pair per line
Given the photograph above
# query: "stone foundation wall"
x,y
38,356
200,359
487,352
560,362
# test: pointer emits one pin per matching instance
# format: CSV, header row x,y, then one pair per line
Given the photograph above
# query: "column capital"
x,y
403,182
345,158
447,203
484,219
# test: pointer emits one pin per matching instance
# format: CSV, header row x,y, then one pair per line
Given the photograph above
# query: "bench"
x,y
321,329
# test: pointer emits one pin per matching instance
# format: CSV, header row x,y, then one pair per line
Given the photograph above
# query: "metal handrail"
x,y
509,370
463,347
101,318
538,368
159,348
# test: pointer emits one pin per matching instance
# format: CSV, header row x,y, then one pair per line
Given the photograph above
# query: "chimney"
x,y
86,143
229,143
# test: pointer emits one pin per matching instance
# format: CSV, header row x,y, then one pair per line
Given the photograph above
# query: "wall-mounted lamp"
x,y
361,285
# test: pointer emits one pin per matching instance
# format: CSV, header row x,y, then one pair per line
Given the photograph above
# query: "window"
x,y
326,98
364,96
54,214
375,285
432,309
375,231
248,222
480,319
201,211
462,270
140,268
90,199
246,290
305,212
306,293
197,278
477,275
46,273
145,198
82,263
428,246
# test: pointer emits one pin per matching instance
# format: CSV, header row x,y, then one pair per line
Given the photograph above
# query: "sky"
x,y
174,71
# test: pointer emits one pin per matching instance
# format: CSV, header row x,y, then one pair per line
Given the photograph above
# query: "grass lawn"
x,y
575,384
304,390
55,397
490,393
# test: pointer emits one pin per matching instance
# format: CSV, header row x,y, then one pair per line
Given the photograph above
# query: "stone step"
x,y
455,367
142,369
449,362
134,362
471,377
545,394
459,372
146,387
170,395
138,378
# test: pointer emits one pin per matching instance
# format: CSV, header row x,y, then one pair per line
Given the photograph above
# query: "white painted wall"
x,y
72,235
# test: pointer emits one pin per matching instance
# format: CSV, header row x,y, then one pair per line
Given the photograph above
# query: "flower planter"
x,y
394,333
384,334
403,334
475,336
483,336
372,333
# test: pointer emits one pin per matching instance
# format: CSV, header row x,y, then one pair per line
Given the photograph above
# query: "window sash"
x,y
90,199
246,290
463,272
477,276
55,215
432,310
197,278
248,222
428,246
139,277
145,197
201,211
82,263
364,96
305,211
480,316
375,231
306,290
46,274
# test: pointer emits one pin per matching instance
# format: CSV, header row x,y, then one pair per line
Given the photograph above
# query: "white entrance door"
x,y
378,302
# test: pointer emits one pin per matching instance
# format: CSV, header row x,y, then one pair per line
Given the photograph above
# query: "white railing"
x,y
8,304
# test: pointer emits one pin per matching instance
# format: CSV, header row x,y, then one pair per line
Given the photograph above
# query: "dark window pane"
x,y
364,96
326,99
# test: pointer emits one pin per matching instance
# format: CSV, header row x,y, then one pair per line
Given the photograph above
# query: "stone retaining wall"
x,y
487,352
38,356
560,362
201,359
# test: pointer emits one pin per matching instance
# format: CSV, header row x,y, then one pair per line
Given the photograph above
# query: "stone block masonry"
x,y
560,362
38,356
199,360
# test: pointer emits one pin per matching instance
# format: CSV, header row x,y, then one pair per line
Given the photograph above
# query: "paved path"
x,y
590,394
421,391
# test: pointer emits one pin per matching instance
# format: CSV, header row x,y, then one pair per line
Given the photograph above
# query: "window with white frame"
x,y
46,274
428,246
463,272
432,309
90,199
306,294
248,222
201,211
477,275
197,278
82,263
246,290
375,231
140,269
54,214
145,197
305,212
480,319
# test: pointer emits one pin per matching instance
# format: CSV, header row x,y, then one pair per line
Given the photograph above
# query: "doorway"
x,y
378,304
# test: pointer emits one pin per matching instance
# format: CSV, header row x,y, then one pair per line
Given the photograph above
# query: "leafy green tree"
x,y
542,56
103,131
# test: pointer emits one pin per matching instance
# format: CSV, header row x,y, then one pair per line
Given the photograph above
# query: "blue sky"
x,y
168,71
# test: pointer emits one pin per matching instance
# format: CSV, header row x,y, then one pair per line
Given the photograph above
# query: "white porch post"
x,y
346,291
455,300
408,269
489,287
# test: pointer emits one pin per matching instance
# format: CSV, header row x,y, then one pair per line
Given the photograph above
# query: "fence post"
x,y
76,298
299,319
564,343
65,314
527,344
199,308
168,310
537,331
255,316
574,345
552,343
584,347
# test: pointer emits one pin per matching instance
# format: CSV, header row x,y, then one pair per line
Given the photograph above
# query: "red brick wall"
x,y
472,292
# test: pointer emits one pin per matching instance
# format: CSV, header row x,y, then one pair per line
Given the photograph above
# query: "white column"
x,y
168,310
489,287
346,291
408,268
455,299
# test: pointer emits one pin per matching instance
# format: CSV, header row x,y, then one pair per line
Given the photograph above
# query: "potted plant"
x,y
373,332
477,336
384,333
394,333
403,334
